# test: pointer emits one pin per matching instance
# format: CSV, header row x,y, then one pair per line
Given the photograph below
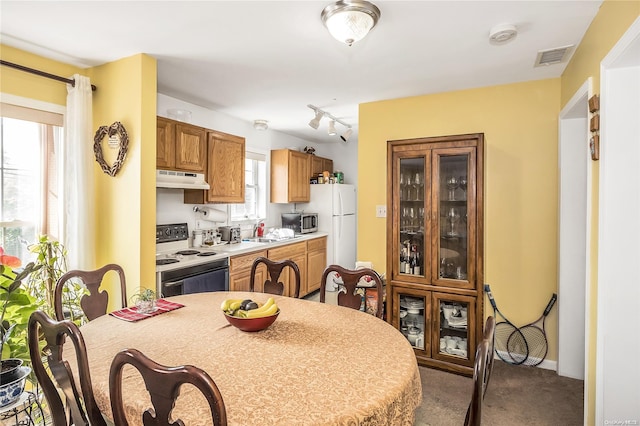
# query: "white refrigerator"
x,y
336,208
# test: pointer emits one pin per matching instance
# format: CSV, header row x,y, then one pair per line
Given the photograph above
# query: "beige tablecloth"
x,y
318,364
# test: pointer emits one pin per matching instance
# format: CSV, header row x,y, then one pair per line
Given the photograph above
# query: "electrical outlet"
x,y
381,211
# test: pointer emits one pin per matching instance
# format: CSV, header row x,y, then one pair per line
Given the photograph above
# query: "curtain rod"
x,y
42,74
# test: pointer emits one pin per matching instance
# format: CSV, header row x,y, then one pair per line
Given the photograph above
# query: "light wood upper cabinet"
x,y
165,144
225,171
180,146
319,165
289,176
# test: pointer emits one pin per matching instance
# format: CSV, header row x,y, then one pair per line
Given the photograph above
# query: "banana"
x,y
271,310
235,305
227,302
266,305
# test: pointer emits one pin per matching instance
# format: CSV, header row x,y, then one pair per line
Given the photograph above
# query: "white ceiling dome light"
x,y
502,33
349,21
260,124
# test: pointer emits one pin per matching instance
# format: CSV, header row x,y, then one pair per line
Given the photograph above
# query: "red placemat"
x,y
132,314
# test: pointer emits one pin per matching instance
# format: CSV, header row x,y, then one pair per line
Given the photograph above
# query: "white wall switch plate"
x,y
381,211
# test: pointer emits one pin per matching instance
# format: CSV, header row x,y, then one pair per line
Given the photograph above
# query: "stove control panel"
x,y
173,232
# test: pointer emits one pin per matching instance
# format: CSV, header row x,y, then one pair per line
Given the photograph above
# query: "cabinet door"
x,y
454,203
299,191
411,314
226,168
316,263
454,338
411,213
316,165
327,165
165,144
301,261
191,148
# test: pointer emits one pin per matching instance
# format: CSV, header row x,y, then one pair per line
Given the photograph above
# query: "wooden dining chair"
x,y
273,284
79,407
163,384
489,336
350,279
474,412
95,303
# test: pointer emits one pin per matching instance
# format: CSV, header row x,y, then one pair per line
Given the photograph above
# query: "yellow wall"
x,y
20,83
612,21
126,203
520,124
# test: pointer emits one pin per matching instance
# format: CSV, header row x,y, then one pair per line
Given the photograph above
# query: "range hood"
x,y
180,180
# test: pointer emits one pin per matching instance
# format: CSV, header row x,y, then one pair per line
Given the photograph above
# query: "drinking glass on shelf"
x,y
462,182
453,216
452,184
417,183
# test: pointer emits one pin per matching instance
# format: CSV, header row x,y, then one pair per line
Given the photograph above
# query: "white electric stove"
x,y
181,269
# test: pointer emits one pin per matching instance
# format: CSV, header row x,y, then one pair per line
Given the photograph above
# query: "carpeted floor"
x,y
517,395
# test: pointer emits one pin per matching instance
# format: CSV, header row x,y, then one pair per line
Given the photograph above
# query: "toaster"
x,y
230,234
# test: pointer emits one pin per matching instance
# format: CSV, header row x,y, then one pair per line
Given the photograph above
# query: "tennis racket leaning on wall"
x,y
510,344
536,336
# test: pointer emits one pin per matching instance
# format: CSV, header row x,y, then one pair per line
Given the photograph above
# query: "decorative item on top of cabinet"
x,y
225,171
289,176
435,247
180,146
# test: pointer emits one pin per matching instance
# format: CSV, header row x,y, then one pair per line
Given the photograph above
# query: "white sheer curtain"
x,y
78,230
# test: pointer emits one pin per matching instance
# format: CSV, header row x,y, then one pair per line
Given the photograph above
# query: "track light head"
x,y
332,128
346,135
315,122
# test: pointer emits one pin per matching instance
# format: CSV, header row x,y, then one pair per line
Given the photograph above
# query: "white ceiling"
x,y
269,59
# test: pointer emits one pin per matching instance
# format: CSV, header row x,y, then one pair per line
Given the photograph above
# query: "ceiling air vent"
x,y
553,56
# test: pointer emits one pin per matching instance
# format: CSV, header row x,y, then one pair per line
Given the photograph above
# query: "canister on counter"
x,y
320,178
339,177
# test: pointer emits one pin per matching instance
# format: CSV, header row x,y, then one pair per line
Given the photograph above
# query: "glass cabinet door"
x,y
453,336
454,200
412,313
412,216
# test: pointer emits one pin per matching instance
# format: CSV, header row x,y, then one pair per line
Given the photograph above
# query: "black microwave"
x,y
301,223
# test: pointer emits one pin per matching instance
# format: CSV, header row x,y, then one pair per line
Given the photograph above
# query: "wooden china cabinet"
x,y
435,247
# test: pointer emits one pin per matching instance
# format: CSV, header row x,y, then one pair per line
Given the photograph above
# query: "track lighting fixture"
x,y
315,123
346,135
332,128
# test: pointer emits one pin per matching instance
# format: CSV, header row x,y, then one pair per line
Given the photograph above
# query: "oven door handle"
x,y
173,283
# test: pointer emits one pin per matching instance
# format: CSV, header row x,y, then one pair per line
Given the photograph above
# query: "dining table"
x,y
317,364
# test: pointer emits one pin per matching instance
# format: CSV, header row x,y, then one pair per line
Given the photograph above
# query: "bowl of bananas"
x,y
248,315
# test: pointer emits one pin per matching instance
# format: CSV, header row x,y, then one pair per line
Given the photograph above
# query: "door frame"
x,y
574,233
616,392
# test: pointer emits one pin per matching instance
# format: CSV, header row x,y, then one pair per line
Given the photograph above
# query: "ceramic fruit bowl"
x,y
252,324
11,391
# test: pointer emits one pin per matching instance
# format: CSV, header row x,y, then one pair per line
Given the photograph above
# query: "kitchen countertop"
x,y
228,250
251,246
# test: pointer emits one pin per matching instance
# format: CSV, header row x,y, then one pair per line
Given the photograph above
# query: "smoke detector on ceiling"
x,y
502,33
260,124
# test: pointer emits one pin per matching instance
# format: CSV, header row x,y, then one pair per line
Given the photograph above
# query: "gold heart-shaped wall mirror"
x,y
117,138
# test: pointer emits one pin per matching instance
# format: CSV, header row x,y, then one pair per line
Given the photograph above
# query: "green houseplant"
x,y
51,256
17,306
145,300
